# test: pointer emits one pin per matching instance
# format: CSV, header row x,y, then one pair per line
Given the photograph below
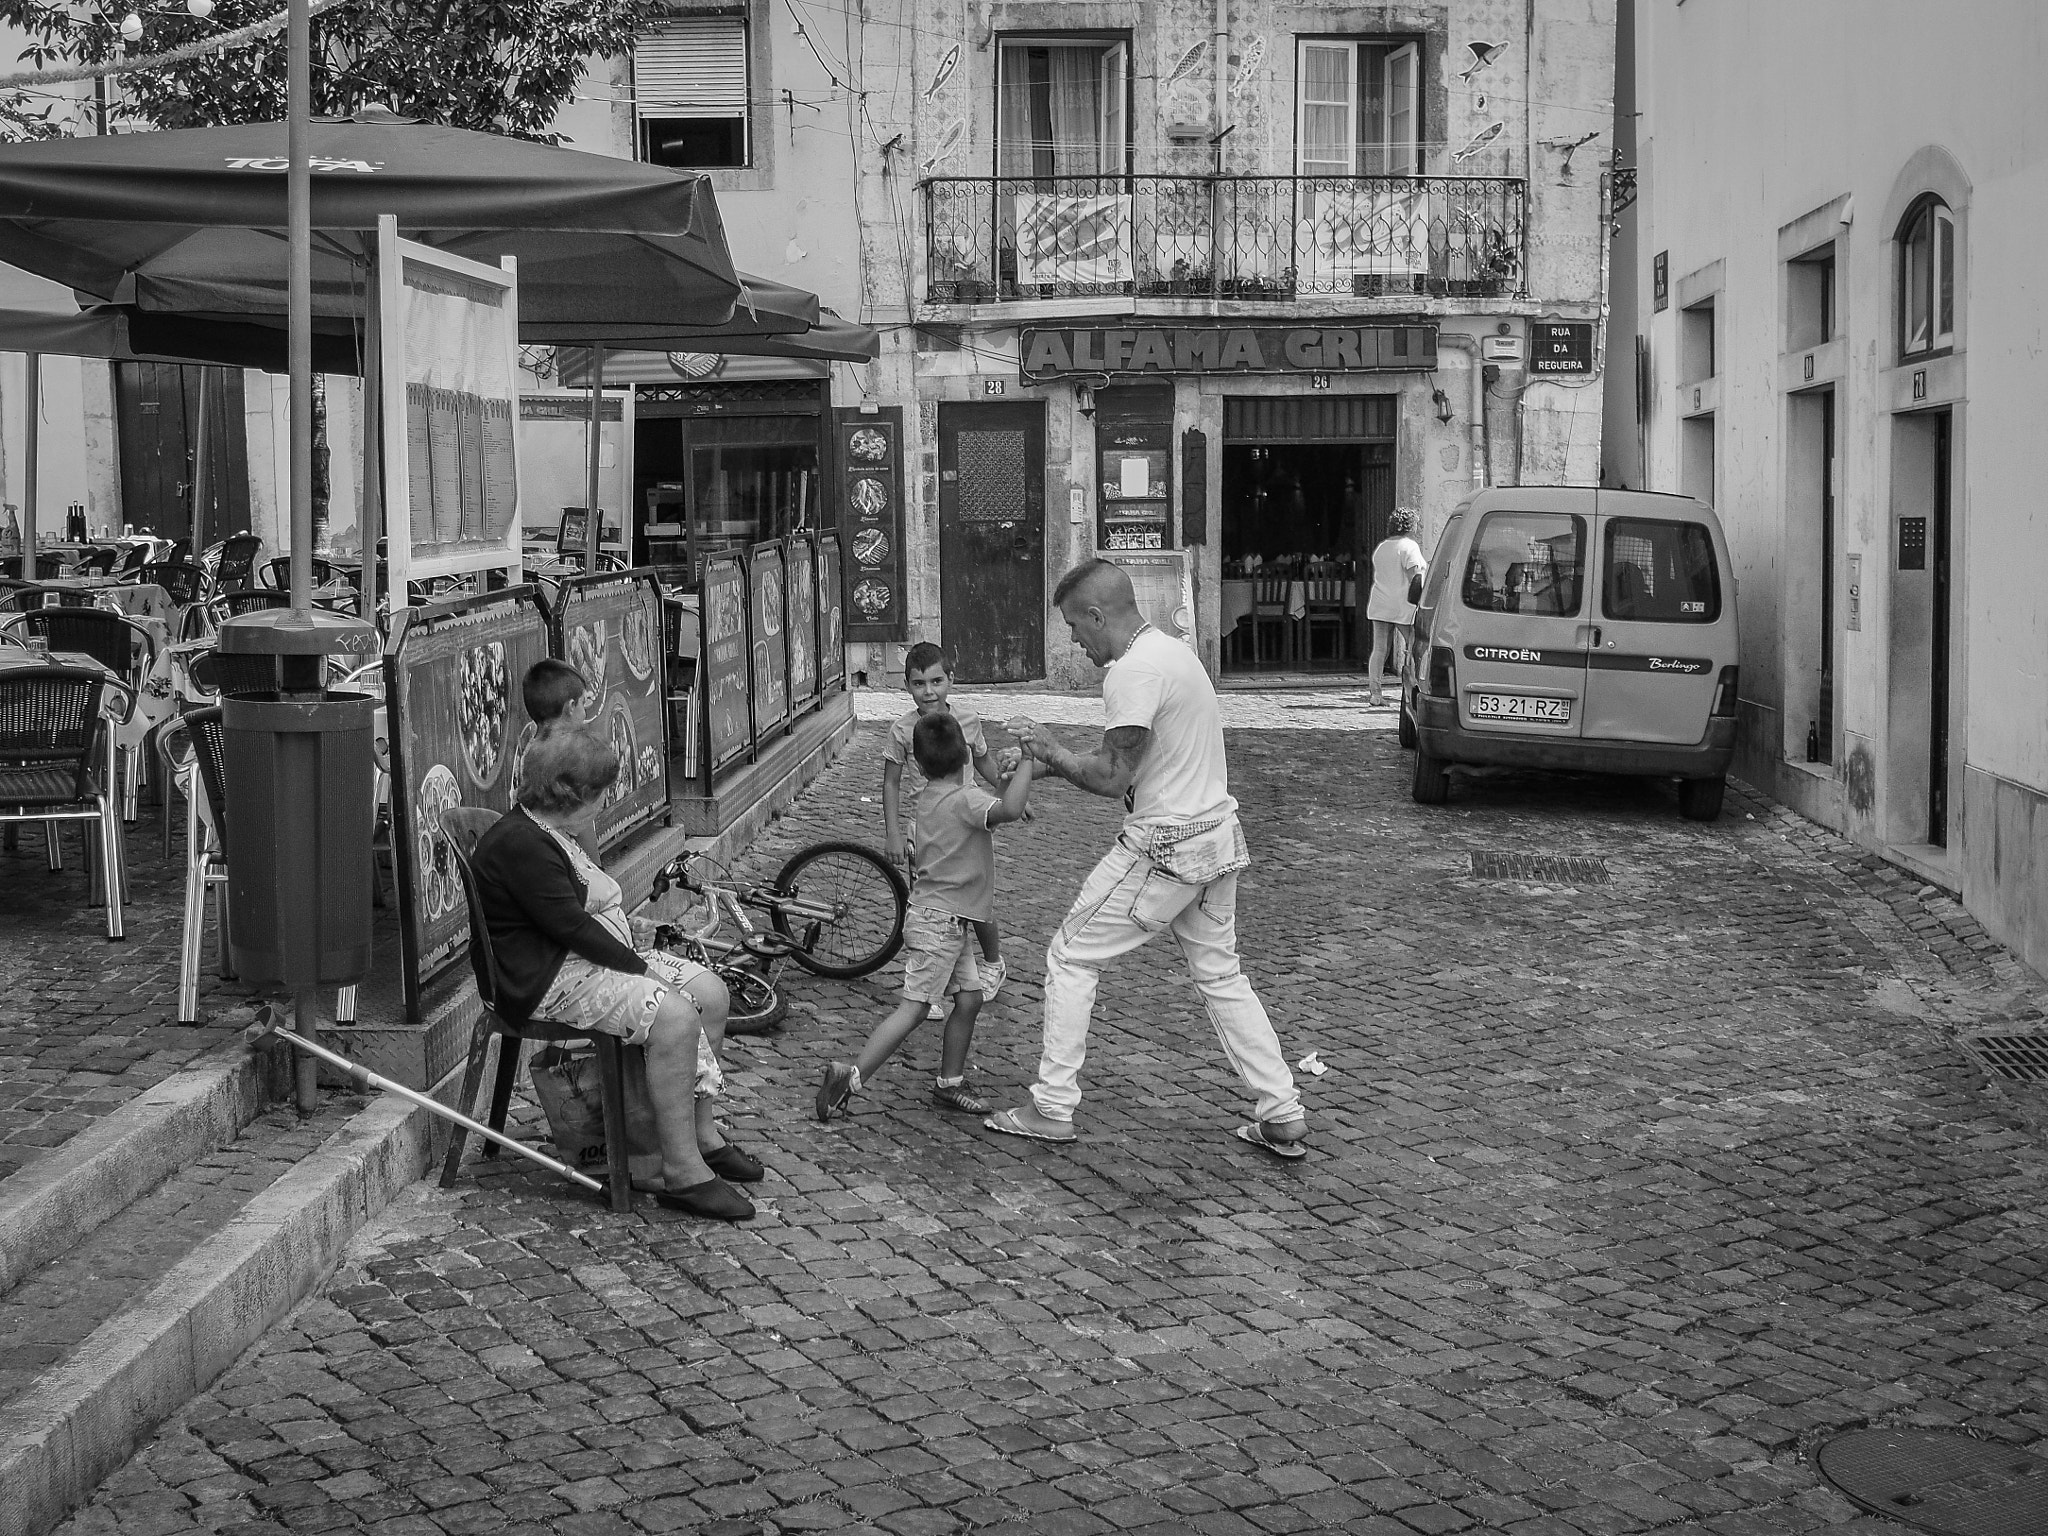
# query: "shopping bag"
x,y
572,1097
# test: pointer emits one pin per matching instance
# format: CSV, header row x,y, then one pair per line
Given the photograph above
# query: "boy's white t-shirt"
x,y
1158,683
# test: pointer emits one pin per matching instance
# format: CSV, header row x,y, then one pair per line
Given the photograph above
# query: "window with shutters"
x,y
691,92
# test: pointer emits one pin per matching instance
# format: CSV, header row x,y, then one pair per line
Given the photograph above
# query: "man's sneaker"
x,y
959,1097
993,974
835,1090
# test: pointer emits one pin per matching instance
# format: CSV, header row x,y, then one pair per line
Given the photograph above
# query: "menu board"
x,y
448,329
727,722
802,562
766,588
871,483
831,616
457,729
609,628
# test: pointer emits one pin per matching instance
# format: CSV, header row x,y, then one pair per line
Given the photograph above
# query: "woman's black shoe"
x,y
714,1198
729,1162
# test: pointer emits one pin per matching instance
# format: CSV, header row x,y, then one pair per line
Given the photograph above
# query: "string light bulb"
x,y
131,28
199,8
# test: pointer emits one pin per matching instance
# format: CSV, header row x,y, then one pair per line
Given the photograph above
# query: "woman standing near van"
x,y
1396,563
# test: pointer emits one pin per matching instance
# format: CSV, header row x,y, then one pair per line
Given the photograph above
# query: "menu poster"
x,y
457,724
870,447
448,330
766,587
831,616
727,723
609,628
802,562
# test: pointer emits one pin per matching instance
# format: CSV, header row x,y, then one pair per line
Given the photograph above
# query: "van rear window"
x,y
1659,572
1528,563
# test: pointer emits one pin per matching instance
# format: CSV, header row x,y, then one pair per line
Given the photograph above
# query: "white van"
x,y
1573,628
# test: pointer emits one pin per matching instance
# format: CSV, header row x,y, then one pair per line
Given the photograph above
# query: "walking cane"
x,y
364,1078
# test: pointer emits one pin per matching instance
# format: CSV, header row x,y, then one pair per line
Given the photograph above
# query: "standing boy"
x,y
955,890
928,682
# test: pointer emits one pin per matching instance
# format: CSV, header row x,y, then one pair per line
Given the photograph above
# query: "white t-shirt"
x,y
1393,563
1160,685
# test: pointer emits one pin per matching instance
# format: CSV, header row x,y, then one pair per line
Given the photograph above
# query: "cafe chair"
x,y
279,572
126,649
1326,611
48,567
138,556
193,749
51,736
236,567
183,582
18,596
233,604
1270,609
462,828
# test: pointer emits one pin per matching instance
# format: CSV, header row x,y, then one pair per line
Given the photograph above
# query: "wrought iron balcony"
x,y
996,238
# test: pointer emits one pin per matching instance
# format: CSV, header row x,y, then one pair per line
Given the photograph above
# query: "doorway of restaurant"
x,y
158,408
992,540
1308,485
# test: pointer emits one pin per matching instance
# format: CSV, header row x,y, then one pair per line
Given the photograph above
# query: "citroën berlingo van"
x,y
1573,628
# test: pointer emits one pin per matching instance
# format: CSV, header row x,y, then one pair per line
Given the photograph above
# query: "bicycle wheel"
x,y
868,896
757,1003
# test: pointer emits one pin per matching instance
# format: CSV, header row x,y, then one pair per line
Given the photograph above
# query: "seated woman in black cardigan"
x,y
565,953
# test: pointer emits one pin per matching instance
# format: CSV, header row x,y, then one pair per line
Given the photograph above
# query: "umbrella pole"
x,y
299,237
593,534
31,433
373,445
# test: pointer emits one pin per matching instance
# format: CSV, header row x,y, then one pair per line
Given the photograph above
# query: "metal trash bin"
x,y
302,807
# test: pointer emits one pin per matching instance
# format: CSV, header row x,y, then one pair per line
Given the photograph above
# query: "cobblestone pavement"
x,y
1621,1195
85,1025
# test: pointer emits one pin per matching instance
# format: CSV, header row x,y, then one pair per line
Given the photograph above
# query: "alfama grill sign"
x,y
1339,347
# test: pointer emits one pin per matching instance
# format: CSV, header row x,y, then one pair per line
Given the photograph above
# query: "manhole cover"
x,y
2023,1058
1539,868
1941,1482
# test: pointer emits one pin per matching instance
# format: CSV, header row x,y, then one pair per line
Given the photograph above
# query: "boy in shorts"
x,y
955,891
927,680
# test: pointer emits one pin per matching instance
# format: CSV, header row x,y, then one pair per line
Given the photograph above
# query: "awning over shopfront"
x,y
683,359
122,335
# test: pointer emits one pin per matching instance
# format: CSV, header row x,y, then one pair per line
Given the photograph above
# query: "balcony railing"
x,y
992,238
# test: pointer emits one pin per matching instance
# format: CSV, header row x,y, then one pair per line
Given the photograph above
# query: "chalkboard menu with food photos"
x,y
871,517
609,628
831,616
457,728
728,721
765,618
801,560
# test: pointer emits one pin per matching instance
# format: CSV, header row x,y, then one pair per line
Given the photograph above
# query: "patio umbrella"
x,y
649,358
123,335
193,219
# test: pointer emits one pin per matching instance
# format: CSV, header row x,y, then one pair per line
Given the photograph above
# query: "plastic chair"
x,y
51,730
1269,607
200,770
462,828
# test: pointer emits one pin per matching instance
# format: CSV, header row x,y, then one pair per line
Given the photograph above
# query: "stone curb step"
x,y
85,1418
55,1203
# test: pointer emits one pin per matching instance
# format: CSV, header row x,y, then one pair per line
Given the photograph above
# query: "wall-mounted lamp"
x,y
1442,402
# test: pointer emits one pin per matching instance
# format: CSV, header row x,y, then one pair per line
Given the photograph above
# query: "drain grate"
x,y
2020,1058
1539,868
1940,1481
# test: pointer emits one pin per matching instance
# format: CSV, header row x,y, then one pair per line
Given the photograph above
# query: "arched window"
x,y
1927,279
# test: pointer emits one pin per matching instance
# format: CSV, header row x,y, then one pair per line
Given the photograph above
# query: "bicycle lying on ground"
x,y
836,909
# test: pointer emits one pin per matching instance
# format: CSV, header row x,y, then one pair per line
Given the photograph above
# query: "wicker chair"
x,y
137,557
236,567
462,828
182,581
51,736
193,748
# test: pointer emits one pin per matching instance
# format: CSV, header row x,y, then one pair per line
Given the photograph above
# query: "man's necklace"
x,y
1120,655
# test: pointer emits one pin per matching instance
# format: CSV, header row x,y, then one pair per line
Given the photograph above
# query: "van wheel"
x,y
1432,782
1406,729
1700,799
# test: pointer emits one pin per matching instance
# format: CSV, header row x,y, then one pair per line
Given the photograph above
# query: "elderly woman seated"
x,y
565,954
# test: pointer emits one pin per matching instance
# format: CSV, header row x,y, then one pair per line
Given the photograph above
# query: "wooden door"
x,y
992,541
159,406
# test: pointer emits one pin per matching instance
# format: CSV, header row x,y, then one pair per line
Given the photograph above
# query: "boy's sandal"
x,y
1255,1133
1006,1121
